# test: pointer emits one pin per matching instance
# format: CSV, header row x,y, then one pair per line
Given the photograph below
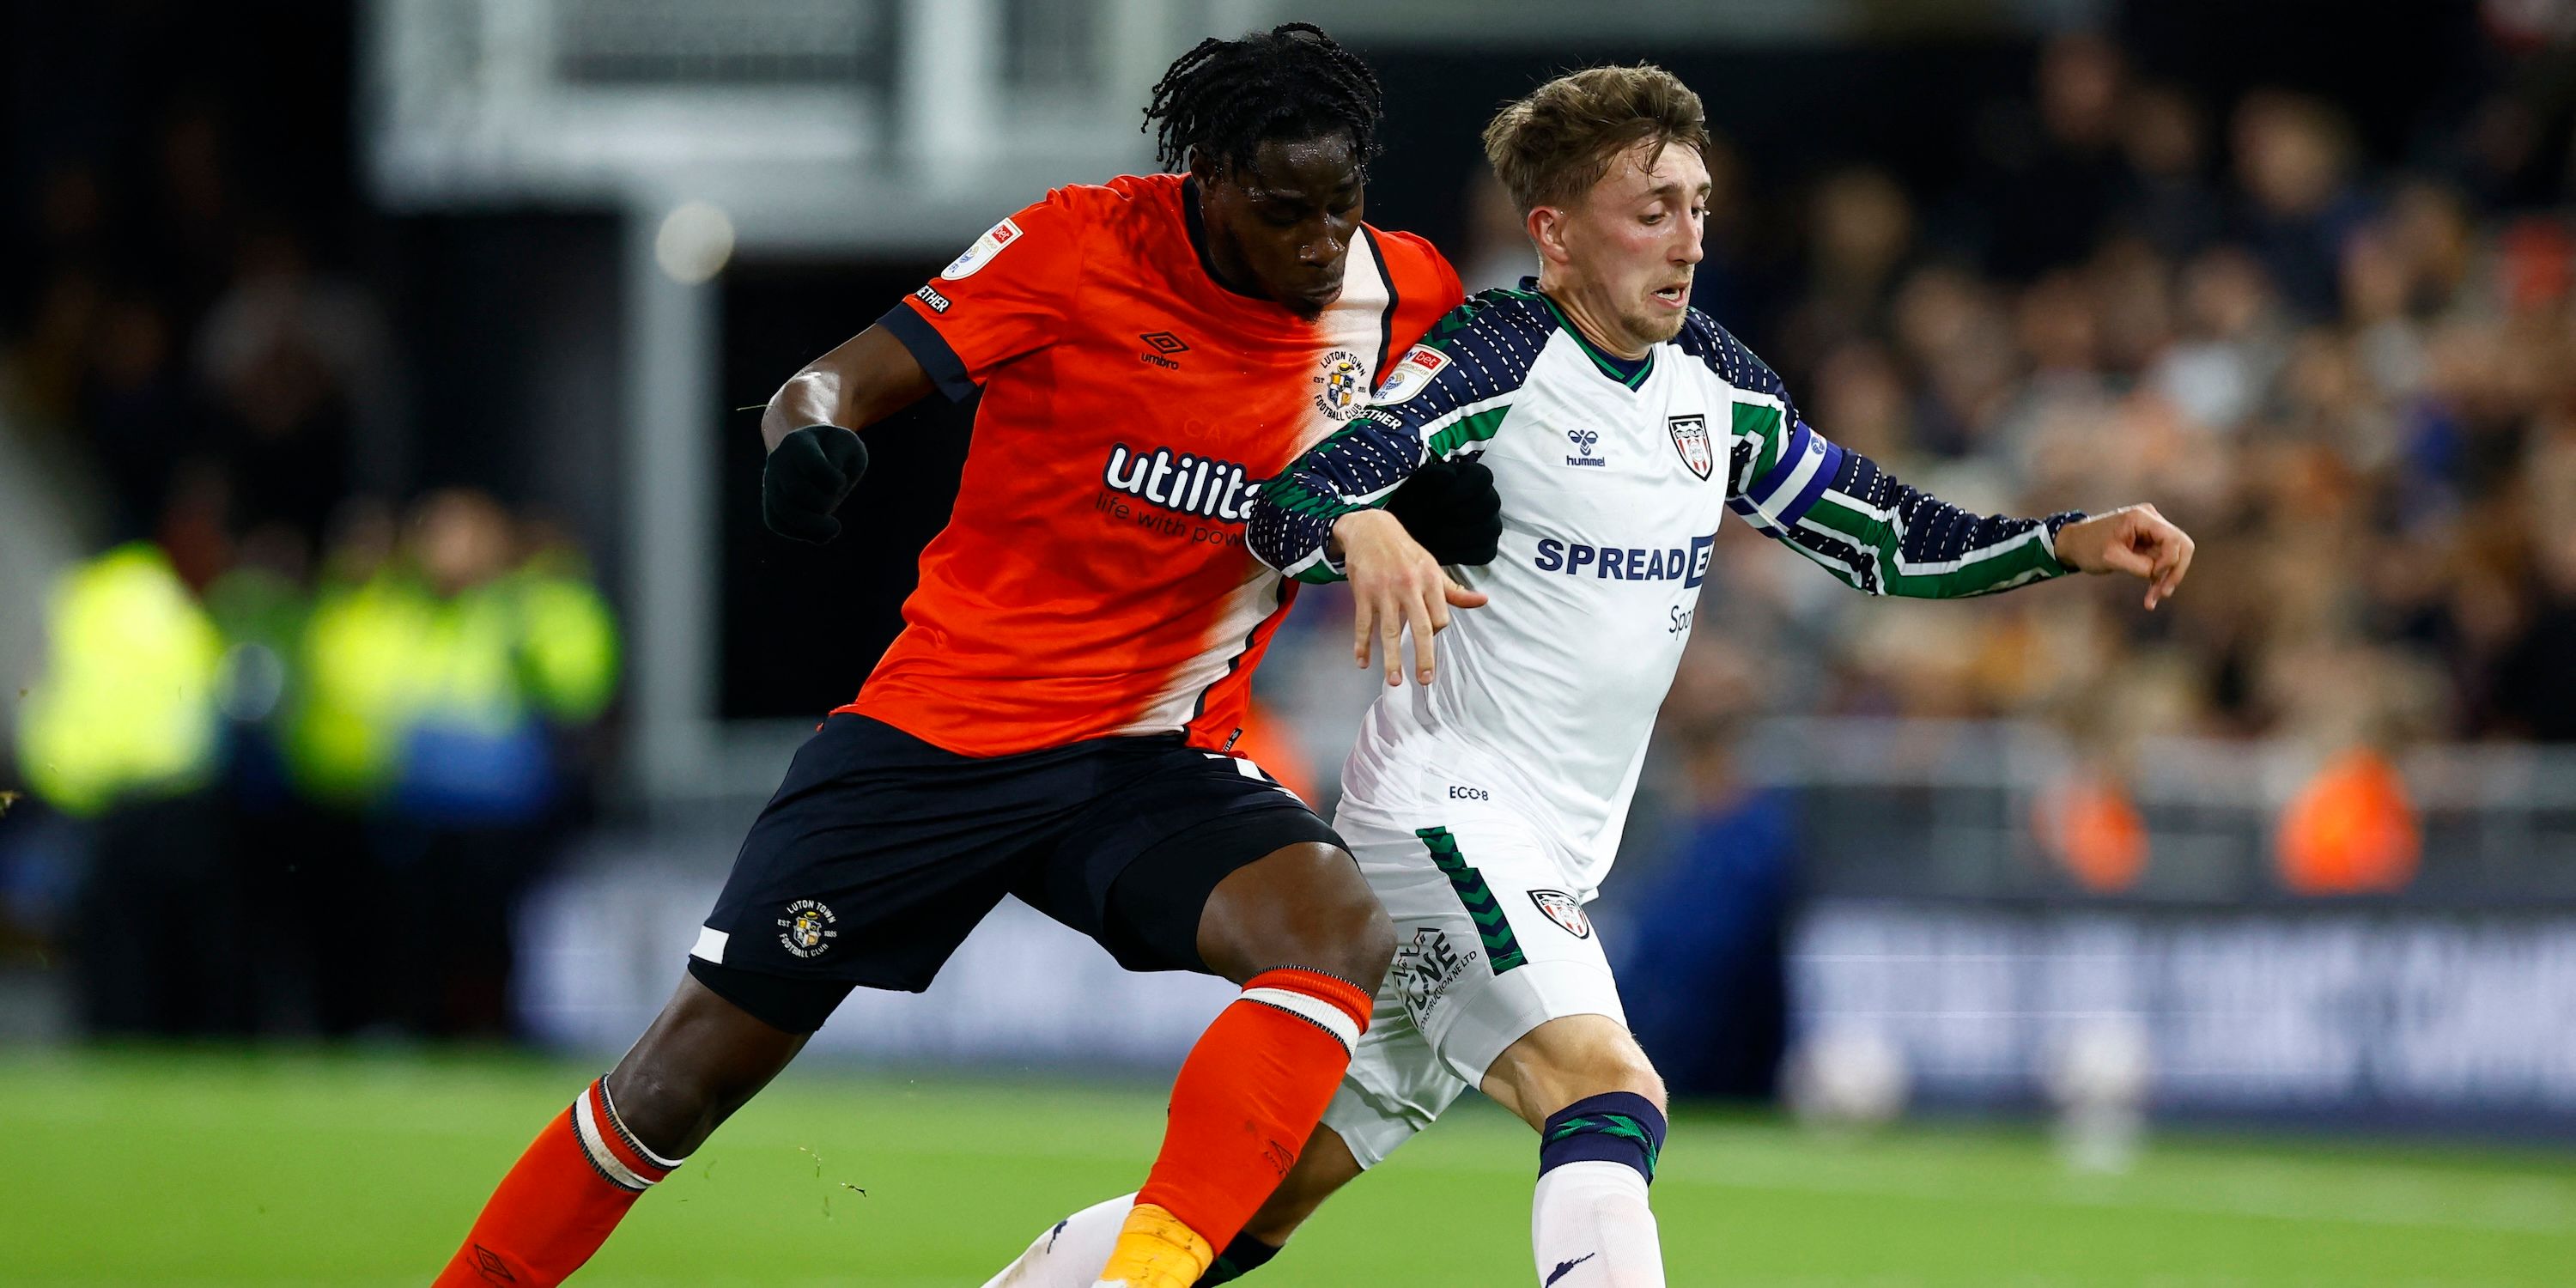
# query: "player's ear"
x,y
1546,228
1208,171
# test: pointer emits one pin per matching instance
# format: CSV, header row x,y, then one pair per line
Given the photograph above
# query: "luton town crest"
x,y
1340,383
807,930
1562,909
1690,438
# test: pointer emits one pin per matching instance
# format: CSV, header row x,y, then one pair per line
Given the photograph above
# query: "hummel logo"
x,y
1164,344
1584,440
1563,1266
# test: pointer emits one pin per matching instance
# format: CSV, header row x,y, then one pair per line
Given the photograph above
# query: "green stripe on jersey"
x,y
1471,429
1979,572
1763,425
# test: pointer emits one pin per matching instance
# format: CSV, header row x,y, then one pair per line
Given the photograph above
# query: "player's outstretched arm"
x,y
815,458
1876,533
1892,539
1396,586
1866,526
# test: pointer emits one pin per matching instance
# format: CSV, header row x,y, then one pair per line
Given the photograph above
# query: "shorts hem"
x,y
1549,990
1157,899
788,1003
1367,1127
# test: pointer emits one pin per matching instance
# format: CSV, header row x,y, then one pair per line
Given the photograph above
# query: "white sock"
x,y
1591,1228
1070,1253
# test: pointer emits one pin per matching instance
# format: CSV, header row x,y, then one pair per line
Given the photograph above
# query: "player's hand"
x,y
1396,586
1451,507
809,474
2133,539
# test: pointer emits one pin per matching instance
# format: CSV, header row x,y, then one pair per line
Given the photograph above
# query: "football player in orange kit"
x,y
1054,720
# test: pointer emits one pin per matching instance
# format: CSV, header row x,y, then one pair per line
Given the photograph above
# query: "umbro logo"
x,y
494,1270
1164,344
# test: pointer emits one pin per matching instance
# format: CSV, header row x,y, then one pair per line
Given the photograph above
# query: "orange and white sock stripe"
x,y
1328,1002
620,1159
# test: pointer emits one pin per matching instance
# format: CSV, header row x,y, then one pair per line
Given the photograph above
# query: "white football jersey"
x,y
1614,477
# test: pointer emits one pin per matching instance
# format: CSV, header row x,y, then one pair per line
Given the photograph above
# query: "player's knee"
x,y
1632,1072
1354,941
1307,906
1614,1063
1361,944
1568,1059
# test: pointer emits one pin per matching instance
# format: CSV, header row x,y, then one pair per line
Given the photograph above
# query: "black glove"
x,y
1451,507
809,474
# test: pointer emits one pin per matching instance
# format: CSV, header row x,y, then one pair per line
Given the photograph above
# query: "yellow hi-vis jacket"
x,y
128,703
385,658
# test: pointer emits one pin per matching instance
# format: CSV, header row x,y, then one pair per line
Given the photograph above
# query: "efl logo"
x,y
982,252
1412,375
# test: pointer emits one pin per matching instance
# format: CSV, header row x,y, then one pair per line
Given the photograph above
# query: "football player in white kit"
x,y
1620,426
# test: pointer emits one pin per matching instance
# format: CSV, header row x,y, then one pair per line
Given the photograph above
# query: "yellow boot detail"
x,y
1156,1251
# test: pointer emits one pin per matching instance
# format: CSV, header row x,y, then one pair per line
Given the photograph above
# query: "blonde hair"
x,y
1551,147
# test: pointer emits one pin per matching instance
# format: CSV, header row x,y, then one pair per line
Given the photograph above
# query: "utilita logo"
x,y
1211,489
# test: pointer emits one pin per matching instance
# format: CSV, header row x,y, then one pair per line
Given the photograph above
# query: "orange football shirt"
x,y
1093,578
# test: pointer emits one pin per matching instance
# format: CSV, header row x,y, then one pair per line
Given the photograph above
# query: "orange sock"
x,y
1249,1095
559,1202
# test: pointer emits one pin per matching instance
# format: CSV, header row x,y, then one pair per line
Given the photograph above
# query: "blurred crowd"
x,y
2354,384
288,748
2353,381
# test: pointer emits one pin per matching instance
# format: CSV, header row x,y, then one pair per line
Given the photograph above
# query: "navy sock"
x,y
1241,1257
1619,1127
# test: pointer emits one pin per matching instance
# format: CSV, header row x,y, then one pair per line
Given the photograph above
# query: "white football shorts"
x,y
1488,945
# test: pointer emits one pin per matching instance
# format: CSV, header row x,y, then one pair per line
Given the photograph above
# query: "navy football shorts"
x,y
880,853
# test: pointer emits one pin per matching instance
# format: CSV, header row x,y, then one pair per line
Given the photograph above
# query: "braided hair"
x,y
1223,99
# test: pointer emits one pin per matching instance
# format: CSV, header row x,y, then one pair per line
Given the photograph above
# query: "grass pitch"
x,y
215,1171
